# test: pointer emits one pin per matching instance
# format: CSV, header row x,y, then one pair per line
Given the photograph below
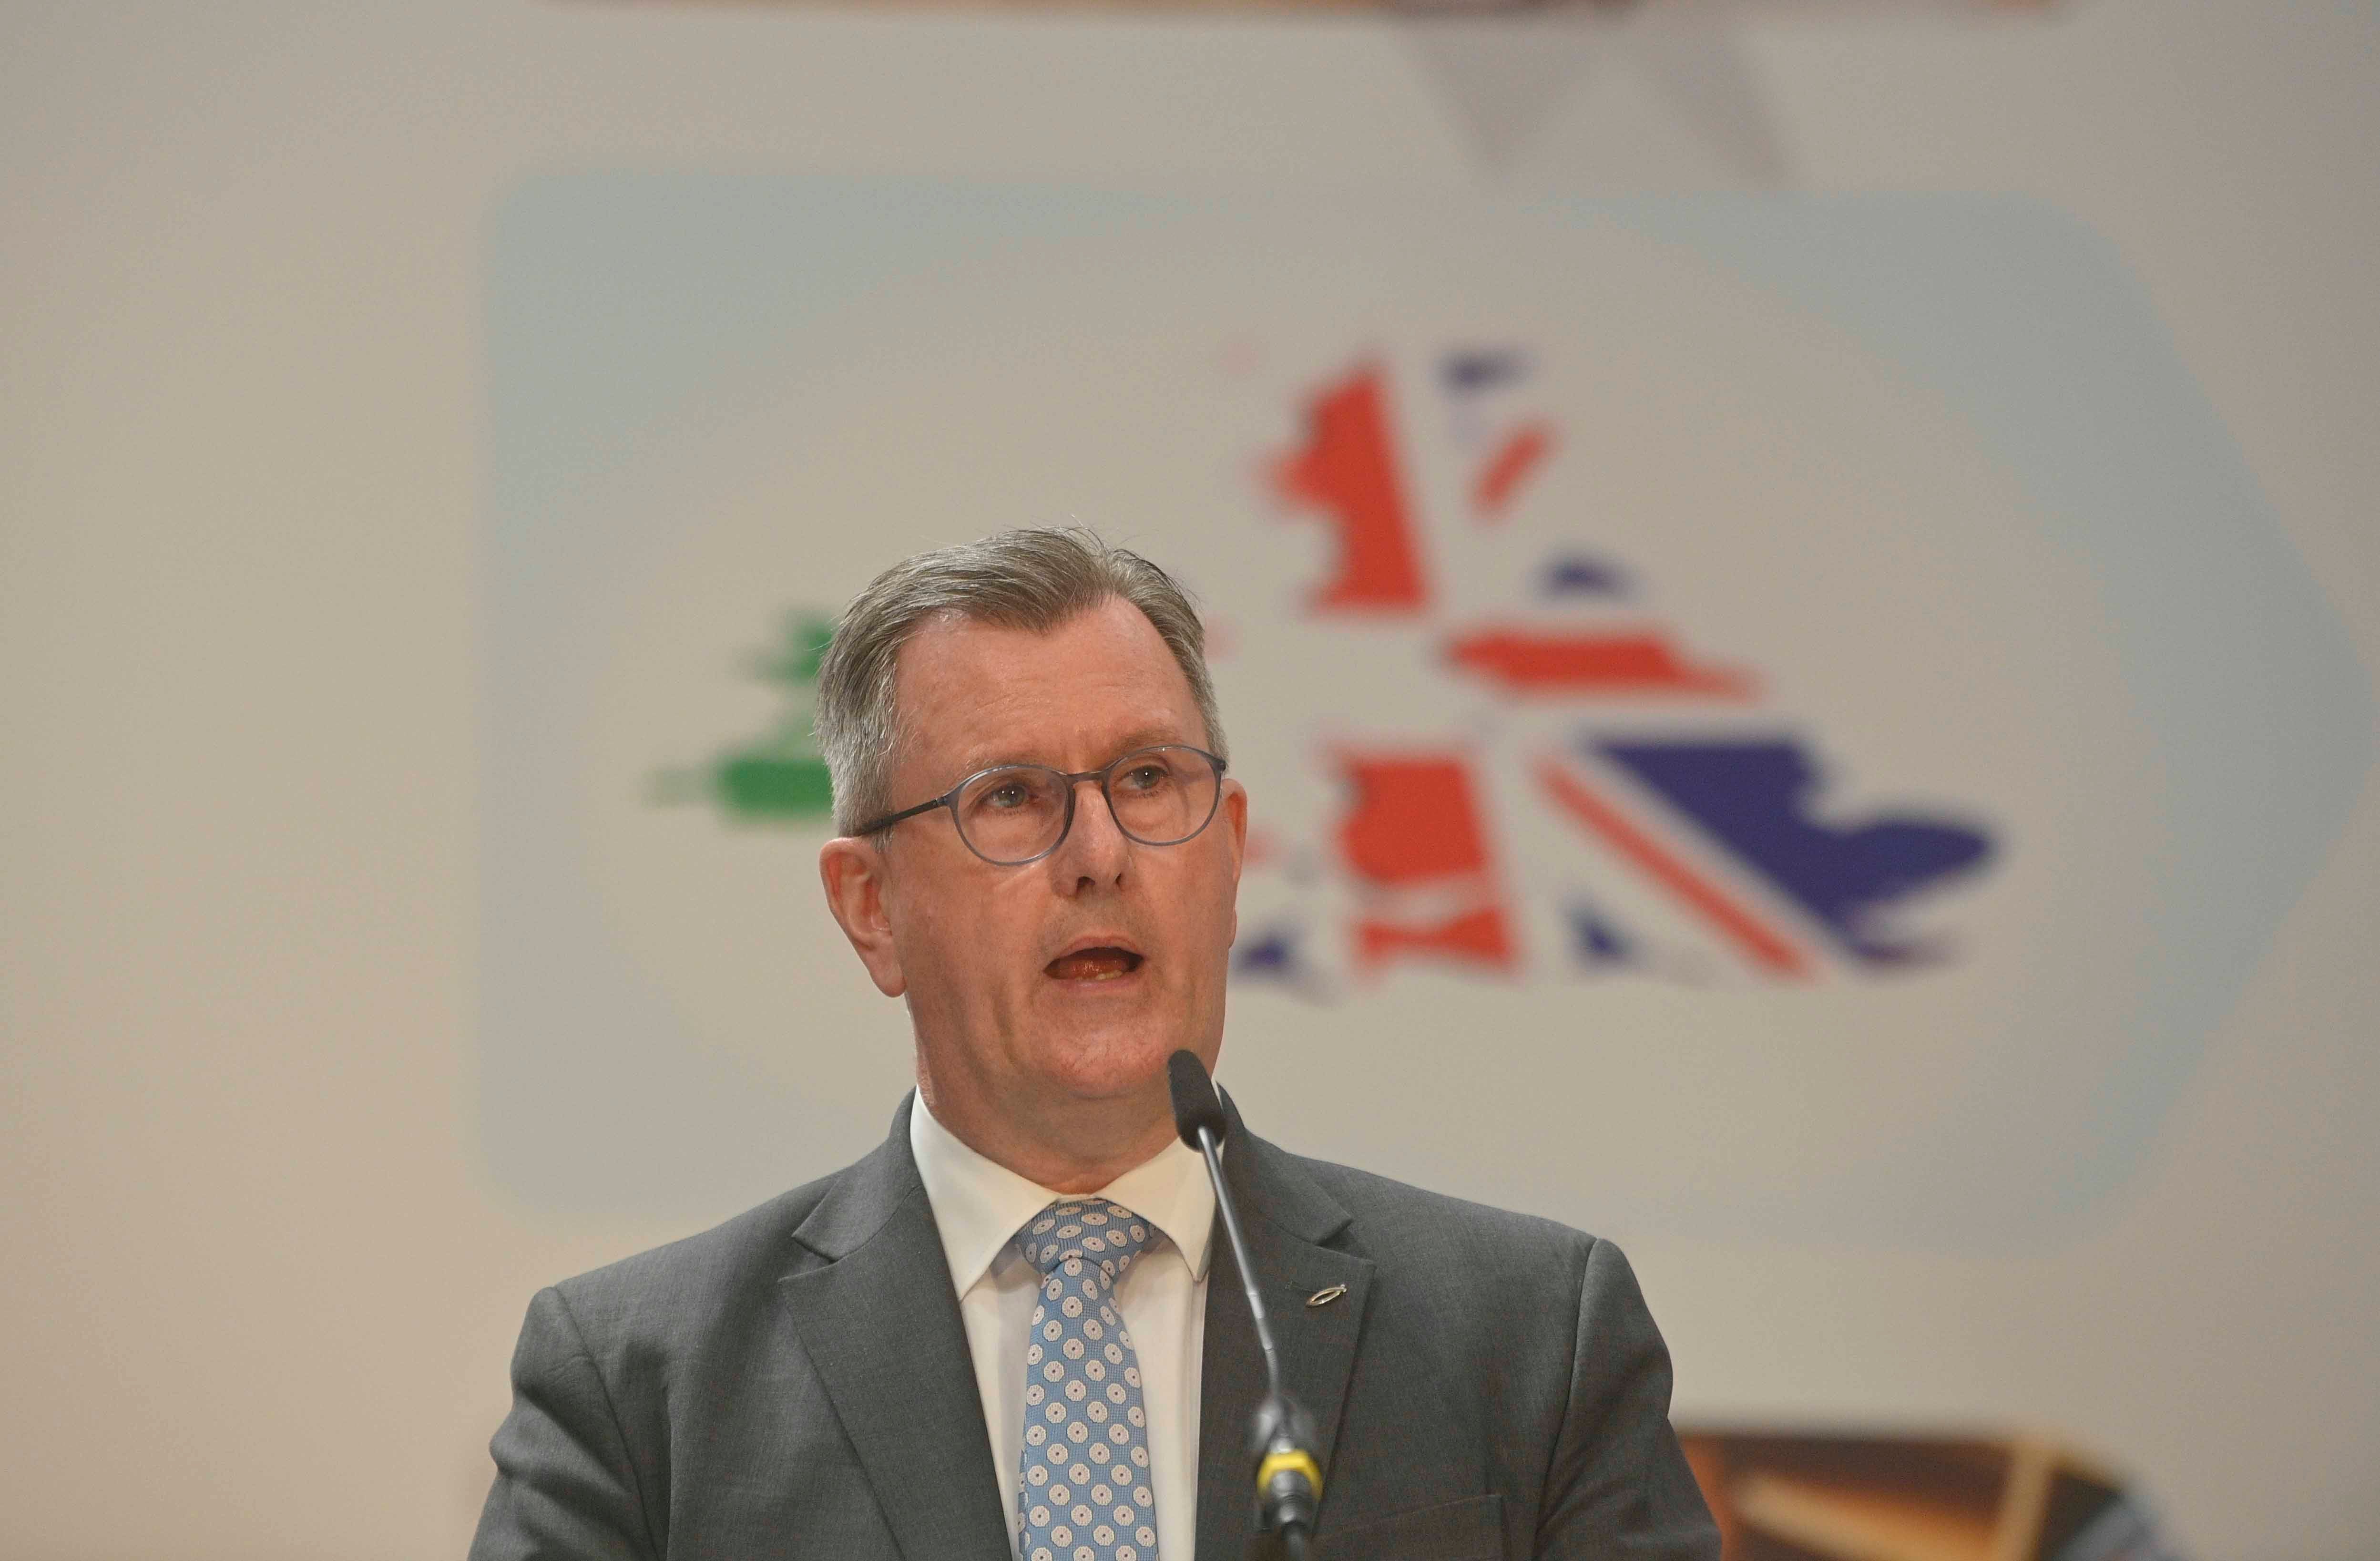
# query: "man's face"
x,y
1073,977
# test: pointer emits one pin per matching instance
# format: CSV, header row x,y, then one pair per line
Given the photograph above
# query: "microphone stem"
x,y
1240,1255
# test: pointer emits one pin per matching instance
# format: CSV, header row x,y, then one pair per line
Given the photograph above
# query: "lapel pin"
x,y
1323,1298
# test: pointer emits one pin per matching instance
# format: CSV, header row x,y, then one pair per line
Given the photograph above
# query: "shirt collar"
x,y
979,1205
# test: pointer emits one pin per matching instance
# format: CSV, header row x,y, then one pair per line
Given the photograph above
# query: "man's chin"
x,y
1111,1062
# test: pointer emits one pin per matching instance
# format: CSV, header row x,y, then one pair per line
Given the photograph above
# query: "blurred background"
x,y
1794,585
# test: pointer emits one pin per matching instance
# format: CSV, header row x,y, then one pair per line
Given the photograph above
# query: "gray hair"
x,y
1034,579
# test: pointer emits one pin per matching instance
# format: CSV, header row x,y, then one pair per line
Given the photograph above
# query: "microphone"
x,y
1289,1477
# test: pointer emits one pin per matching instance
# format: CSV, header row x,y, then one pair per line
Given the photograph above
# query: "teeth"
x,y
1089,965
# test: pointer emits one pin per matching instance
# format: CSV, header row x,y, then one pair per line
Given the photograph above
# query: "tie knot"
x,y
1073,1239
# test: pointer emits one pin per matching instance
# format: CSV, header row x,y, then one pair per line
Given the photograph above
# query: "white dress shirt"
x,y
980,1206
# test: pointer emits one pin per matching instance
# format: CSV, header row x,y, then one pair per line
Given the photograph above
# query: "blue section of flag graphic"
x,y
1754,799
1573,574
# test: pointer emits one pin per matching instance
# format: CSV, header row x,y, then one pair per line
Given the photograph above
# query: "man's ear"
x,y
1235,818
853,872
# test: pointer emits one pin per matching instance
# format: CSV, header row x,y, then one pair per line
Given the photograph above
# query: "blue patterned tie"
x,y
1083,1491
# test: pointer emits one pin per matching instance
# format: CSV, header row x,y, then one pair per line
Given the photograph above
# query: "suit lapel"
x,y
1289,1220
880,1324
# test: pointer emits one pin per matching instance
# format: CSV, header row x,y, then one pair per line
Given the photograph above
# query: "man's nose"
x,y
1095,851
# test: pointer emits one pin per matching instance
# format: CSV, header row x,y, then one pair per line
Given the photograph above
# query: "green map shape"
x,y
779,776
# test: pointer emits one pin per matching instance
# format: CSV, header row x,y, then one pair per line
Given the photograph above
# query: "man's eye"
x,y
1146,778
1012,794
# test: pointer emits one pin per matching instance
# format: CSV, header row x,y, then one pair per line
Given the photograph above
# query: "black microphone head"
x,y
1195,1104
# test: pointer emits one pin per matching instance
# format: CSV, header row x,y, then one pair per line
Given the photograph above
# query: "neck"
x,y
1066,1146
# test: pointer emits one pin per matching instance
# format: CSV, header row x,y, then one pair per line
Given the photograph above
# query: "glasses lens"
x,y
1163,795
1012,816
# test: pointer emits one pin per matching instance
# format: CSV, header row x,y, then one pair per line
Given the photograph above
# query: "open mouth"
x,y
1103,963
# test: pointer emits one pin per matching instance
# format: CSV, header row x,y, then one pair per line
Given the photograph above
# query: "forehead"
x,y
973,694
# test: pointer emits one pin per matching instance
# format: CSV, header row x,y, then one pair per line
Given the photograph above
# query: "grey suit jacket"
x,y
796,1383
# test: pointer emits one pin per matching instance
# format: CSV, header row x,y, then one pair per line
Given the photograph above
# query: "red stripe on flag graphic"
x,y
1764,945
1506,468
1347,469
1525,661
1415,835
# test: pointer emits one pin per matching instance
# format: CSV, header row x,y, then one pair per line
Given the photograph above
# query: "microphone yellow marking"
x,y
1296,1461
1323,1298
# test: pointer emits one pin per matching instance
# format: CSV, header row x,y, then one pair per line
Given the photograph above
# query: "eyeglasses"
x,y
1016,814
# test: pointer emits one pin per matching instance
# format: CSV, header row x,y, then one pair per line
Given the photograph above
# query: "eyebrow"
x,y
1132,741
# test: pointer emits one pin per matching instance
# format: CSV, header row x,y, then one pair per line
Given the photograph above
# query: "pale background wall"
x,y
256,1295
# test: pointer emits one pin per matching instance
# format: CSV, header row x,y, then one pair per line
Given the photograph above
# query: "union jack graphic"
x,y
1713,822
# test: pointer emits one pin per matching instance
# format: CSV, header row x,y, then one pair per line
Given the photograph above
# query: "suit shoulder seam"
x,y
1570,1384
610,1412
1327,1171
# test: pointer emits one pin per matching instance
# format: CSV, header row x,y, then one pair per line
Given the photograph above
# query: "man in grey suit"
x,y
1007,1333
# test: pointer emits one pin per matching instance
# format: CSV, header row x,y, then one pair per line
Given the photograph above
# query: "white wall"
x,y
256,1296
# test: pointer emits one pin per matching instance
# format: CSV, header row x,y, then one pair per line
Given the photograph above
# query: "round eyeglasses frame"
x,y
1105,774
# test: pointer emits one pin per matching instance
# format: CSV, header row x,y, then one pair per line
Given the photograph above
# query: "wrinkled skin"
x,y
1041,1057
